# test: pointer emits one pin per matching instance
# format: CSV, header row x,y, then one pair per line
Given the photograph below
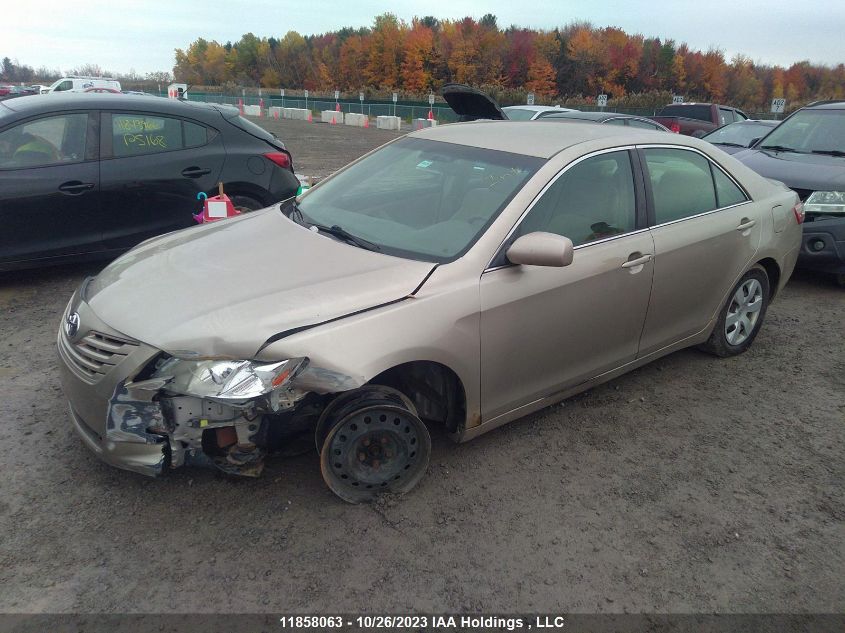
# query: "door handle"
x,y
195,172
746,224
639,261
75,187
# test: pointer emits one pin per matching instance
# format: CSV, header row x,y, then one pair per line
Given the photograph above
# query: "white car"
x,y
83,84
532,112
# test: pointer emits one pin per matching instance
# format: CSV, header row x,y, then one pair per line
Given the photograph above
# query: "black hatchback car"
x,y
807,153
85,176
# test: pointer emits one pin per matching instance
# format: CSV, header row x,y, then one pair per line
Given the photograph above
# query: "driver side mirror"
x,y
541,249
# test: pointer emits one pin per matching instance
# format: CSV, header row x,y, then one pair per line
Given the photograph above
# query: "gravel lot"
x,y
693,484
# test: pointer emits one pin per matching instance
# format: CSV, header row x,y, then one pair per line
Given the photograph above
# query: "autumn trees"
x,y
578,59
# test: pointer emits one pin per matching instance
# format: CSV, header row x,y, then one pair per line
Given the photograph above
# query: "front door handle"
x,y
75,187
195,172
746,224
639,260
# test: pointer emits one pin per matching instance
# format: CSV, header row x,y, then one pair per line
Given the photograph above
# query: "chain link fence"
x,y
407,110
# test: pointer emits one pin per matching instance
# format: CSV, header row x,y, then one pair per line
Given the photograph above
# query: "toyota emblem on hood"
x,y
72,324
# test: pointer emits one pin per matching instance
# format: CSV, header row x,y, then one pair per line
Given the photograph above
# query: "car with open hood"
x,y
807,153
461,276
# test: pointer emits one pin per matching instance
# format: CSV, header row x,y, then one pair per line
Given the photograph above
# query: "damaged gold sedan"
x,y
462,276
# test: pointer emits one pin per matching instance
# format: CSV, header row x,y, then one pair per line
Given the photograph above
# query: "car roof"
x,y
826,105
37,104
531,138
595,116
536,108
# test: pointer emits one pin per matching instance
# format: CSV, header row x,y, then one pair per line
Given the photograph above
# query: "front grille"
x,y
93,356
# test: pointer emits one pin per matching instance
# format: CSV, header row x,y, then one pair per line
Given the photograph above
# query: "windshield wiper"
x,y
296,215
730,144
781,148
829,152
339,231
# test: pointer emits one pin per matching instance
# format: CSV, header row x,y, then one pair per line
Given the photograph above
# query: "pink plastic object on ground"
x,y
216,208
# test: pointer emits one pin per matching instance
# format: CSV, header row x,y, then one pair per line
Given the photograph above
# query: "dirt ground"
x,y
693,484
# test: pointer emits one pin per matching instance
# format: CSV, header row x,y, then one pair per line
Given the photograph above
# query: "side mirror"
x,y
541,249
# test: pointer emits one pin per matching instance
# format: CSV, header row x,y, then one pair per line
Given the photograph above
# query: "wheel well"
x,y
773,271
436,391
247,189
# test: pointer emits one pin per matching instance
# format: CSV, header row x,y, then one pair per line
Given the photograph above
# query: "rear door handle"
x,y
746,224
639,261
75,187
195,172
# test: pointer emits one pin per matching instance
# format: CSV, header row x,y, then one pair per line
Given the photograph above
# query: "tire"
x,y
374,443
245,204
742,315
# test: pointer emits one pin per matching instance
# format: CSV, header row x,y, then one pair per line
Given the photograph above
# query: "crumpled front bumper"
x,y
97,401
149,459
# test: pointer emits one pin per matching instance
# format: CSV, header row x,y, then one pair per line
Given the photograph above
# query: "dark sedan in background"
x,y
738,136
86,176
807,153
608,118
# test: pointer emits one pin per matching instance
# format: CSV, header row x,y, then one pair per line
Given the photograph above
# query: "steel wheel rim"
x,y
375,449
743,312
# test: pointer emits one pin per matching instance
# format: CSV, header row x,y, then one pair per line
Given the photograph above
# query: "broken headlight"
x,y
825,202
229,380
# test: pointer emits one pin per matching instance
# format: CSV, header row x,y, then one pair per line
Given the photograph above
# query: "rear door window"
x,y
727,193
681,183
135,134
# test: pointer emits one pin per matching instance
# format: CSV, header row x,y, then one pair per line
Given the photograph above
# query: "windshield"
x,y
420,199
738,133
519,114
809,131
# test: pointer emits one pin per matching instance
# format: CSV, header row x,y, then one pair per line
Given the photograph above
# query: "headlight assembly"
x,y
825,202
232,381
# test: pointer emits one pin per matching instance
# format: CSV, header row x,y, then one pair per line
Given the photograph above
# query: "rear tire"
x,y
373,442
742,315
245,204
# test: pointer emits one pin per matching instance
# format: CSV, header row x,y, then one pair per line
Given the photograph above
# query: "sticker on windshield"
x,y
424,164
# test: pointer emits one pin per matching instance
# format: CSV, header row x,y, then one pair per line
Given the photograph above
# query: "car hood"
x,y
798,171
471,104
224,288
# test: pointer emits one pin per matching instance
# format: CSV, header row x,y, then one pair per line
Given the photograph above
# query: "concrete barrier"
x,y
252,110
355,119
326,116
421,123
275,112
388,122
300,114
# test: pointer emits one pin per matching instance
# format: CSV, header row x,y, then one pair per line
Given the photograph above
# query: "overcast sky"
x,y
141,36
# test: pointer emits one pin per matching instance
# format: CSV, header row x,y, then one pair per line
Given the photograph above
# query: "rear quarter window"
x,y
699,112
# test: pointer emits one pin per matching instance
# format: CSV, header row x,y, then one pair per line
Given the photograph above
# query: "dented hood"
x,y
223,289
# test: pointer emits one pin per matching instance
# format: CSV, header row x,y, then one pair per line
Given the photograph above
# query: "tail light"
x,y
798,210
280,158
675,127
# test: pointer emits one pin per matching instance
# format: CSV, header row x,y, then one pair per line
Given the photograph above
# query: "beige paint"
x,y
518,337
